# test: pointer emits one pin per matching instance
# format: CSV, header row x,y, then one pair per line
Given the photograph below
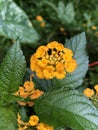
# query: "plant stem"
x,y
93,64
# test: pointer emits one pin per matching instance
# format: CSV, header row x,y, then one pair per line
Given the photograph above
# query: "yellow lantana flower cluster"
x,y
26,91
33,122
52,61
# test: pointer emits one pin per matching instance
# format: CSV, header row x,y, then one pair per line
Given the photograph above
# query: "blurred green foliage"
x,y
86,16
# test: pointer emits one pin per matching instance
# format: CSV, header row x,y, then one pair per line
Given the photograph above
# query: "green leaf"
x,y
8,119
23,114
66,14
78,45
12,70
14,23
67,108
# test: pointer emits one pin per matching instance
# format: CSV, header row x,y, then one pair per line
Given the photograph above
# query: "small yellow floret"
x,y
39,18
88,92
84,24
96,33
94,27
70,65
33,120
21,103
62,29
29,86
22,92
42,126
23,128
96,88
37,93
43,24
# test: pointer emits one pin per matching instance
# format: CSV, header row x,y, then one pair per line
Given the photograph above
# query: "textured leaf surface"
x,y
78,45
12,70
14,23
66,14
8,119
67,108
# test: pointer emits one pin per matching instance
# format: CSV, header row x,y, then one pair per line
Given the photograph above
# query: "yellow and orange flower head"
x,y
52,61
26,91
88,92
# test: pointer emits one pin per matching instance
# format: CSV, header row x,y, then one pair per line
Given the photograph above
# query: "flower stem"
x,y
93,64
